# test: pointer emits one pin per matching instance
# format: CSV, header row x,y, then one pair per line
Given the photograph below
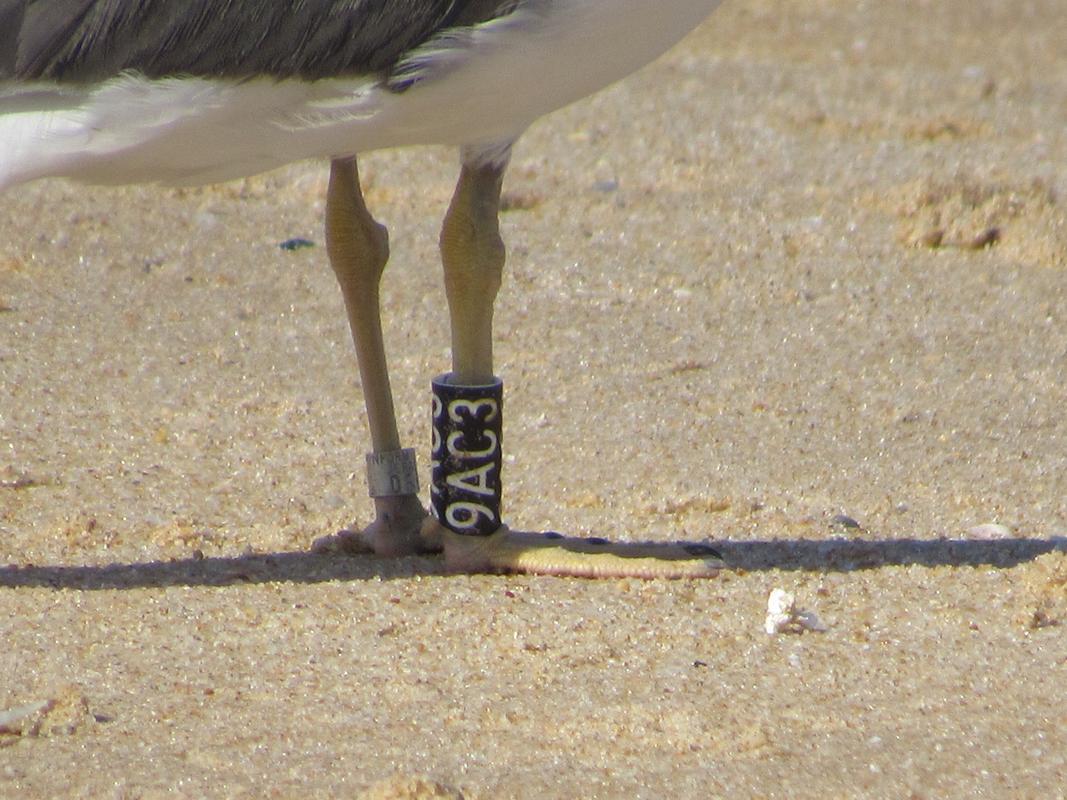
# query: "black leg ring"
x,y
466,455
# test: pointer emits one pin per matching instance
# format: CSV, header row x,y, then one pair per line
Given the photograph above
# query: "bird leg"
x,y
472,253
358,249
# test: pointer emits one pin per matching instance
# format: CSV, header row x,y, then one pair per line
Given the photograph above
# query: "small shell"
x,y
989,531
783,616
781,611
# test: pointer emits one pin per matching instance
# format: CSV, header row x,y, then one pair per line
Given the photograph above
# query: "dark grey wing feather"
x,y
49,26
79,41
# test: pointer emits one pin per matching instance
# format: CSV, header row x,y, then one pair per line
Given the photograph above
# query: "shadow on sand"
x,y
306,567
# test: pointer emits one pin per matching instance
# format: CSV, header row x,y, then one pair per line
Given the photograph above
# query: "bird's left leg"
x,y
467,425
358,249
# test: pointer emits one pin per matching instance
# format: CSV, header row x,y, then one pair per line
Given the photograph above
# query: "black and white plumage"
x,y
197,91
86,41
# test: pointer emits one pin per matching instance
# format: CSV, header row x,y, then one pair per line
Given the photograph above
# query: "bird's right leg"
x,y
467,422
358,248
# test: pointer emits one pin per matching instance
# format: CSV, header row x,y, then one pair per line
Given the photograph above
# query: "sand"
x,y
799,288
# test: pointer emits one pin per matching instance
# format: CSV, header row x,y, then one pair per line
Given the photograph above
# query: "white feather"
x,y
480,89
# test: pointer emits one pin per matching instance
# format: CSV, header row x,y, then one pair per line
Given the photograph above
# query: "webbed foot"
x,y
553,554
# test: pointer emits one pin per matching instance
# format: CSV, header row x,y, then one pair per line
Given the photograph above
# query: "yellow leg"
x,y
472,253
358,249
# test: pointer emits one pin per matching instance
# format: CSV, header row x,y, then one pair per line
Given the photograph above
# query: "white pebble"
x,y
783,616
781,606
989,531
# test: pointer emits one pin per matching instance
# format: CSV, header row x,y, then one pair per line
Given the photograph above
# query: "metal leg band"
x,y
467,426
392,473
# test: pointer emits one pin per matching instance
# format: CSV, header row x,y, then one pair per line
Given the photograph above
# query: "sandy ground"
x,y
812,263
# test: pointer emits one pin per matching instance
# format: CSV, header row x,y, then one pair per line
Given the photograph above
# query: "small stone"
x,y
843,522
62,714
984,238
783,616
781,608
989,531
932,238
295,243
22,719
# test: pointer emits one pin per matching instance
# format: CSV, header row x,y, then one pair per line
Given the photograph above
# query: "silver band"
x,y
392,473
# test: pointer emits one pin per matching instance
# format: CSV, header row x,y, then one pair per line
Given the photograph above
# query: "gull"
x,y
187,92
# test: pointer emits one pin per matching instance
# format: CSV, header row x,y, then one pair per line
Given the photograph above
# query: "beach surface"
x,y
798,289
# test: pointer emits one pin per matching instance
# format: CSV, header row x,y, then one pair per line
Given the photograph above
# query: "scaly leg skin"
x,y
358,249
472,253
